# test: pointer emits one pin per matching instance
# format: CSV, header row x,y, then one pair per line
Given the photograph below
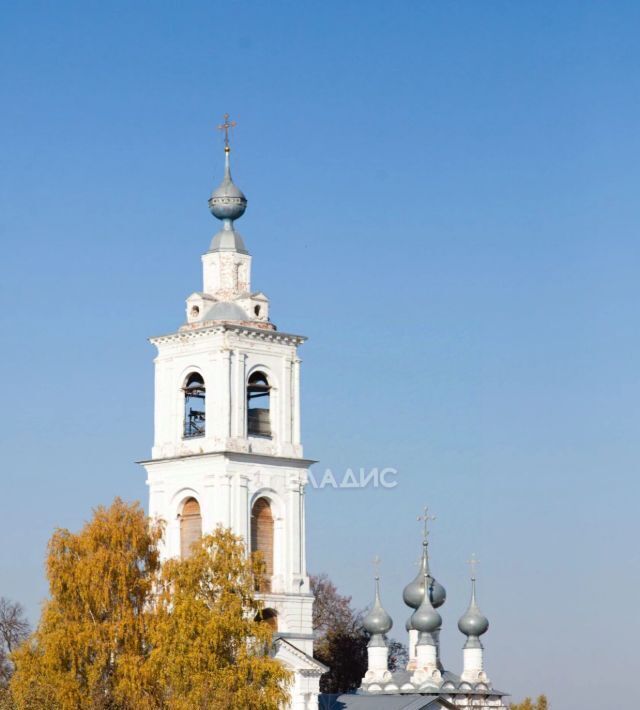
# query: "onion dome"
x,y
425,618
377,622
227,203
473,623
414,591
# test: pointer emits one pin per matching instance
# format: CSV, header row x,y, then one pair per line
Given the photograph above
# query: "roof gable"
x,y
297,659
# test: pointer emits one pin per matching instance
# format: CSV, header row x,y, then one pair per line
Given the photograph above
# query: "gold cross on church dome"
x,y
225,127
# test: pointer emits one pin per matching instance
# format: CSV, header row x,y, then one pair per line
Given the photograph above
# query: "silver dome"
x,y
377,621
425,618
226,311
227,239
413,593
227,201
473,622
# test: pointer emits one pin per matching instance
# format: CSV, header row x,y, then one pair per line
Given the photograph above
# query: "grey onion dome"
x,y
377,621
425,618
473,622
227,202
413,593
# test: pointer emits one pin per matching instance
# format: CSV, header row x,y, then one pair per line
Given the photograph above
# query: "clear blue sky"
x,y
442,195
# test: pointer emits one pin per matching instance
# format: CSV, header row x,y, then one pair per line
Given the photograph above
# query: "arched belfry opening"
x,y
194,406
269,617
258,405
190,526
262,538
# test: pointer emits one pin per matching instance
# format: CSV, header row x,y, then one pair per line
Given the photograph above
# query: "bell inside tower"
x,y
258,405
194,406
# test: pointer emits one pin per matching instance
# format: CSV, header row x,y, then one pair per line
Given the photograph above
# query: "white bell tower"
x,y
227,447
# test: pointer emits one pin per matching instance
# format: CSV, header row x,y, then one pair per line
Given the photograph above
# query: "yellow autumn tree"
x,y
209,648
121,633
527,704
91,645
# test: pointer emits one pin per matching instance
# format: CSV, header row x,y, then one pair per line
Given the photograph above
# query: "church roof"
x,y
303,661
384,702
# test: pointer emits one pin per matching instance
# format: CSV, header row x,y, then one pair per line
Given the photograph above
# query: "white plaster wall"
x,y
226,489
226,358
473,665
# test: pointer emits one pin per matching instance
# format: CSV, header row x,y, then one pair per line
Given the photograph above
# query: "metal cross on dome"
x,y
225,127
473,564
376,566
425,518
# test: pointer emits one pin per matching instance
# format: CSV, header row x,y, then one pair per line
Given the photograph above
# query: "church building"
x,y
227,447
227,451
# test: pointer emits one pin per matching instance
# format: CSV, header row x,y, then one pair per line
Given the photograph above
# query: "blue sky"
x,y
442,196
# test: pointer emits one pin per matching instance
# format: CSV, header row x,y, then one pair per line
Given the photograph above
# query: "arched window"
x,y
269,617
262,538
194,406
258,405
190,526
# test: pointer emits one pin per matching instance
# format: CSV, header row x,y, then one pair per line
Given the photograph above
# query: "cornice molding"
x,y
235,456
246,331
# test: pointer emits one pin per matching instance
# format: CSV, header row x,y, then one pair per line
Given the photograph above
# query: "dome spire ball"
x,y
227,201
377,622
473,623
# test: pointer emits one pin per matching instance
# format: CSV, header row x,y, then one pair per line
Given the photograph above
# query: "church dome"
x,y
226,311
227,201
413,593
425,618
377,621
473,622
228,239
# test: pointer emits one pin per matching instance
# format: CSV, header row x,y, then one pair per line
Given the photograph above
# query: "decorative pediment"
x,y
296,659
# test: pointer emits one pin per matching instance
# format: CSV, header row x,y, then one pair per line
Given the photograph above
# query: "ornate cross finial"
x,y
376,566
425,518
473,564
225,127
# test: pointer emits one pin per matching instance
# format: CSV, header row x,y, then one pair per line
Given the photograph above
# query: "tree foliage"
x,y
91,644
120,633
209,649
527,704
341,640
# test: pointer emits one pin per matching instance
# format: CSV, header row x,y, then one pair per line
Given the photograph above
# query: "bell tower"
x,y
227,447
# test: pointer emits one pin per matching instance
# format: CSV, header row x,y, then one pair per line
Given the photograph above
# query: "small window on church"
x,y
258,405
194,406
256,310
